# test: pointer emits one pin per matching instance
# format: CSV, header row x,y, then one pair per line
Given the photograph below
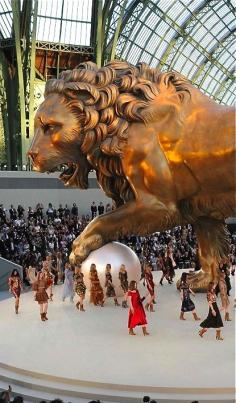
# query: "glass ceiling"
x,y
193,37
5,19
61,21
64,21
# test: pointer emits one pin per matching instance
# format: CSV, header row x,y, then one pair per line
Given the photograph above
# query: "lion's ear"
x,y
85,92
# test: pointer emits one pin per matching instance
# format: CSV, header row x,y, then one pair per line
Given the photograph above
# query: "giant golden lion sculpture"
x,y
162,150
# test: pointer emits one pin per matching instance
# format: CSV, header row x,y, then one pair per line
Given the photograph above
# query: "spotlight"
x,y
24,167
3,167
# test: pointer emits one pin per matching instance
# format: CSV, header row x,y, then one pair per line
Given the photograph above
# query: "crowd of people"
x,y
41,243
27,237
5,398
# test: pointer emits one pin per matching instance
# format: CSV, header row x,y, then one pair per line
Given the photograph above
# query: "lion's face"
x,y
56,135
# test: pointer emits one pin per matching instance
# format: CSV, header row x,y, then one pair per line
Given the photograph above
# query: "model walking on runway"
x,y
48,276
41,296
110,289
79,287
213,319
137,316
96,291
68,286
162,265
223,295
187,303
123,277
15,287
148,280
31,274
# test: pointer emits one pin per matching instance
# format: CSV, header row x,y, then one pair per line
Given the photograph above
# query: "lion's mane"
x,y
105,102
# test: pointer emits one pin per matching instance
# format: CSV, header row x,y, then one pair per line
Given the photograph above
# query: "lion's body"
x,y
163,151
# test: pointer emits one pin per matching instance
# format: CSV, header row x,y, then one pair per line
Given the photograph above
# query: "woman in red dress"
x,y
15,287
137,315
148,279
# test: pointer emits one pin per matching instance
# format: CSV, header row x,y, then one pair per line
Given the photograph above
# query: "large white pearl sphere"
x,y
116,254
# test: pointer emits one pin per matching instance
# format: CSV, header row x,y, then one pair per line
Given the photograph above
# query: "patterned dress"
x,y
123,277
49,277
223,293
96,291
110,292
15,286
187,303
211,320
40,287
80,287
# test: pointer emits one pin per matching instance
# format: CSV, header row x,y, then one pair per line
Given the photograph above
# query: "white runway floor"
x,y
92,353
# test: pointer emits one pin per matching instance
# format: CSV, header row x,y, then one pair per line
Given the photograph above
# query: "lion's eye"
x,y
48,128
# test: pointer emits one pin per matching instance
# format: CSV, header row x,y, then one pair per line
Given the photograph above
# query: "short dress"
x,y
187,303
40,287
138,318
15,286
110,292
123,277
80,287
212,321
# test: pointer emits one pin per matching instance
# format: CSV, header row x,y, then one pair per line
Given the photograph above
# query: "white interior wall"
x,y
30,197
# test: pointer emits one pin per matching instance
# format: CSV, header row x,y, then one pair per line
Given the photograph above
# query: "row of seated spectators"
x,y
5,398
28,237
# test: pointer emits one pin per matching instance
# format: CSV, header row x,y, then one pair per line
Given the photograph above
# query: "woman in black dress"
x,y
213,319
187,303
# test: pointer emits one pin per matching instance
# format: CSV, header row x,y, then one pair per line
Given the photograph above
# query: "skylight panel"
x,y
145,57
5,6
160,49
135,30
178,12
134,54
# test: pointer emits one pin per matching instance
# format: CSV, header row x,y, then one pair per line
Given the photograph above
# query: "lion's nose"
x,y
33,154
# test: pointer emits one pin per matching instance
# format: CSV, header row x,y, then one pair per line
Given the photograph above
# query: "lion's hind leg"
x,y
213,245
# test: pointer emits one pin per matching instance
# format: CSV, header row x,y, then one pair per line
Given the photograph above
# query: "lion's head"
x,y
85,118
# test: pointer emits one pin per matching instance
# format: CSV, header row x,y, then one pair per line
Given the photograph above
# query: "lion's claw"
x,y
83,245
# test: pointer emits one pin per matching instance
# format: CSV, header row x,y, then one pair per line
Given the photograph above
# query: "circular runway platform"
x,y
79,356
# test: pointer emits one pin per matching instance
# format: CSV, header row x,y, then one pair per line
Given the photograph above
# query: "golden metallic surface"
x,y
162,150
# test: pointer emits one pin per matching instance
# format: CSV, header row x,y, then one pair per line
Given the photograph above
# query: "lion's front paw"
x,y
83,245
198,281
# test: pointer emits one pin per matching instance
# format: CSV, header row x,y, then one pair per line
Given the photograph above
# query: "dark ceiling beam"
x,y
131,16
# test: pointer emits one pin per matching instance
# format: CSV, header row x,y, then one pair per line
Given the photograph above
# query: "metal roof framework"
x,y
41,38
193,37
